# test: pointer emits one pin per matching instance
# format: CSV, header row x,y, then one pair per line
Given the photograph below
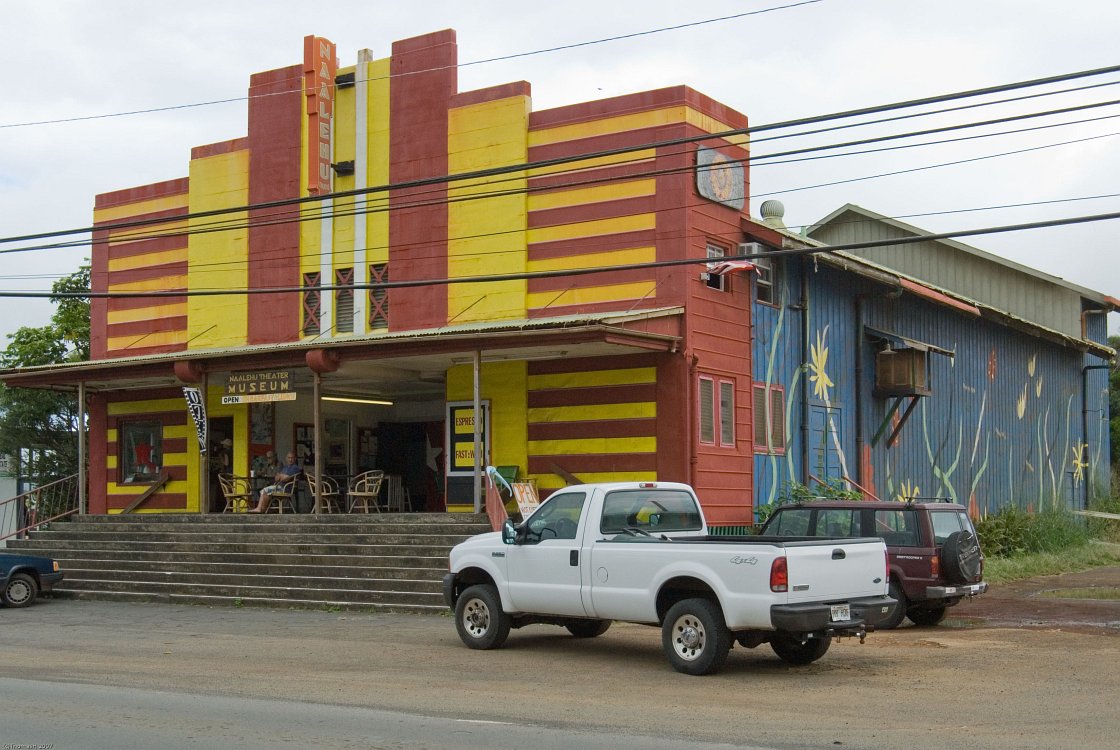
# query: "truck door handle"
x,y
838,554
573,558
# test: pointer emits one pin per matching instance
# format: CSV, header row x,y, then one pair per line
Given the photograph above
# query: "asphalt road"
x,y
96,674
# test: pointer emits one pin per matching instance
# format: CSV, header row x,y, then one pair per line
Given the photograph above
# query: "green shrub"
x,y
795,492
1013,532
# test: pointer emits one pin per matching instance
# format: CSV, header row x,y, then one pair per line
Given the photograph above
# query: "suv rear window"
x,y
897,527
946,522
791,522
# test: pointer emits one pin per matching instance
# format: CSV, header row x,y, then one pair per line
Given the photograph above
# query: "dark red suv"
x,y
934,554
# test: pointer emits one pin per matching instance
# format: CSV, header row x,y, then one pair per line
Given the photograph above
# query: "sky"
x,y
75,61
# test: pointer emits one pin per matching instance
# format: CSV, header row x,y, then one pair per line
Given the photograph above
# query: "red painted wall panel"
x,y
275,108
425,79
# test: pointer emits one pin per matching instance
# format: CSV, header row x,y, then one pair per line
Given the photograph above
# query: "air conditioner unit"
x,y
752,248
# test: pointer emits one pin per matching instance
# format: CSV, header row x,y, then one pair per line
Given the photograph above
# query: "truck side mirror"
x,y
509,533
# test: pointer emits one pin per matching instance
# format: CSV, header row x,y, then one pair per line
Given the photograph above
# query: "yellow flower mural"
x,y
819,361
1079,462
908,492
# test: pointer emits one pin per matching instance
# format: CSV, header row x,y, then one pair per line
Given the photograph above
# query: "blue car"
x,y
24,576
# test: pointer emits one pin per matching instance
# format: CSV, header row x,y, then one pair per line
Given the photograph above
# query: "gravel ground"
x,y
1011,670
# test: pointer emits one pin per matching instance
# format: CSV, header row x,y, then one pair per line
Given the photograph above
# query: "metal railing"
x,y
28,511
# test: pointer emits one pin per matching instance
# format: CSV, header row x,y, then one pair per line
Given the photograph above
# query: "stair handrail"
x,y
38,506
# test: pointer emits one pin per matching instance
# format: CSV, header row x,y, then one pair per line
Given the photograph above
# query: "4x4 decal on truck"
x,y
737,560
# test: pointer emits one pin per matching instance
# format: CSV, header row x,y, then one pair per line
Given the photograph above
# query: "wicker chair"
x,y
331,496
237,493
365,492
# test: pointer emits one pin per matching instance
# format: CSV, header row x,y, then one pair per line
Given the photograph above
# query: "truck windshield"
x,y
653,510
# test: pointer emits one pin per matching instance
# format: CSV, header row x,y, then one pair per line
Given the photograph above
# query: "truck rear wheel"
x,y
795,651
695,637
480,619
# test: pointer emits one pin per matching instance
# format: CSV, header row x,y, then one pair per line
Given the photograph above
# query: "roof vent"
x,y
773,213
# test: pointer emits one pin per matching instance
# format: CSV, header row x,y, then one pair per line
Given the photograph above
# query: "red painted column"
x,y
275,106
424,80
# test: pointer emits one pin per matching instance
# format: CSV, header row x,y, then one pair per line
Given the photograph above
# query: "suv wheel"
x,y
894,619
926,617
960,558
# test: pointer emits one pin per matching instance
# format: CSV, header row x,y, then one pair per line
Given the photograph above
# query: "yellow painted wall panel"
x,y
613,258
595,228
553,482
623,123
120,344
159,284
219,260
590,295
377,160
593,446
131,210
633,157
151,406
151,259
612,191
503,384
635,410
147,313
629,376
487,235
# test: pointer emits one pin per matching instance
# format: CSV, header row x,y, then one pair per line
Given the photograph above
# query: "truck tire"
x,y
695,637
794,651
926,617
588,628
894,619
20,591
480,619
960,558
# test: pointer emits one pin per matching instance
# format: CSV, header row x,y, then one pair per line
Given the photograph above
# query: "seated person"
x,y
290,470
266,465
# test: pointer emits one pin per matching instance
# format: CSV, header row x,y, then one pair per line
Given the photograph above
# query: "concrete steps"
x,y
377,562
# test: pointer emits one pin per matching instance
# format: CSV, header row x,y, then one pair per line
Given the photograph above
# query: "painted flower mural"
x,y
818,365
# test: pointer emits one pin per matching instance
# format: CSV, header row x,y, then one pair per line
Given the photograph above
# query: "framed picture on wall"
x,y
303,443
261,416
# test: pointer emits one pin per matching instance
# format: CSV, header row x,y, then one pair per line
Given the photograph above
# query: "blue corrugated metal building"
x,y
925,369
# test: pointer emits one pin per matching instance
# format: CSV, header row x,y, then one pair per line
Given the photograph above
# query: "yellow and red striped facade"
x,y
401,120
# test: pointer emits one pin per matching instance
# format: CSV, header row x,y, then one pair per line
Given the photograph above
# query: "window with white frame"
x,y
766,280
715,280
716,411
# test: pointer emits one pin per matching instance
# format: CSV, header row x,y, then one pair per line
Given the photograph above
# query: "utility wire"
x,y
570,272
514,56
546,163
315,214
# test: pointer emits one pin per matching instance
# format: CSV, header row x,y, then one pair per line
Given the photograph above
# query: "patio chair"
x,y
237,493
365,491
331,496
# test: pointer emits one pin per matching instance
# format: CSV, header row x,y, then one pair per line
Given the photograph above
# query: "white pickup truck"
x,y
640,552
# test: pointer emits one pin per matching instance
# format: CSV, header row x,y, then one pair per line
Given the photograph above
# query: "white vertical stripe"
x,y
361,179
326,256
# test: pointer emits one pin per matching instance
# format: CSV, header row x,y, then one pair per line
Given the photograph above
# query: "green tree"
x,y
41,426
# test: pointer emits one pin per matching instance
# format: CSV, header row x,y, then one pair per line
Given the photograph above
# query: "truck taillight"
x,y
779,575
935,566
887,562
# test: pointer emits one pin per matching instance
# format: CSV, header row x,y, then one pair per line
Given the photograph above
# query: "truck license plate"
x,y
841,613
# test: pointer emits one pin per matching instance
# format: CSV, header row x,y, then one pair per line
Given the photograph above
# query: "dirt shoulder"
x,y
1049,602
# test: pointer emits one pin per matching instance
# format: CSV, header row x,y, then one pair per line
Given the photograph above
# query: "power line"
x,y
490,278
514,56
559,161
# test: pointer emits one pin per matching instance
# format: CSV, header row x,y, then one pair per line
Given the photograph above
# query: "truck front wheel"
x,y
480,619
695,637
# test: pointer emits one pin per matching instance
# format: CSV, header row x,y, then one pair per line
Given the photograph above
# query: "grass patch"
x,y
1072,559
1099,593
